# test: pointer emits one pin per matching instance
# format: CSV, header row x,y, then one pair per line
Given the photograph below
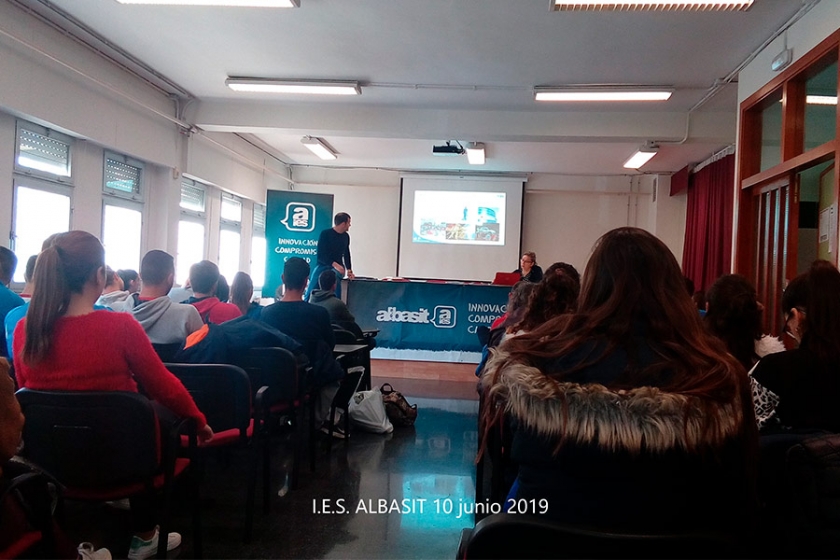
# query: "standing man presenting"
x,y
333,253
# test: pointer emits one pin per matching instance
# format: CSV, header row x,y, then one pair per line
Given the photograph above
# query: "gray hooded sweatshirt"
x,y
166,321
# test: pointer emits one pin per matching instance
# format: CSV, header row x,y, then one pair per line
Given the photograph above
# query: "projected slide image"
x,y
468,218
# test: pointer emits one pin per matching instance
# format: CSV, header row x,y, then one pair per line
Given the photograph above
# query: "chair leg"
x,y
346,414
312,432
266,471
195,482
252,490
298,444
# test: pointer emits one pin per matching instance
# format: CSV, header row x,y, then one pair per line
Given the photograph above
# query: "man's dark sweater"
x,y
334,247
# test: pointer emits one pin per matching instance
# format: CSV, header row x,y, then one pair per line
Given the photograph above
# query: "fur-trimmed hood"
x,y
631,420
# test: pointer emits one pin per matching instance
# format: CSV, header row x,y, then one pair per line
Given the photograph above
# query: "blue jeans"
x,y
313,280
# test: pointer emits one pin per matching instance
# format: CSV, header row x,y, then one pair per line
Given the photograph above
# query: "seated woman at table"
x,y
64,344
528,269
626,414
800,389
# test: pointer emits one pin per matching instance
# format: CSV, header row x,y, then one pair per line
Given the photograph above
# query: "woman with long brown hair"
x,y
626,413
64,344
733,314
800,388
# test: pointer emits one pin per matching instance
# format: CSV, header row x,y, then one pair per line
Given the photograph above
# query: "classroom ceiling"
x,y
438,70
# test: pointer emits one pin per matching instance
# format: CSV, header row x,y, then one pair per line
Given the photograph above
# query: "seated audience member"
x,y
324,296
131,280
64,344
164,321
733,314
204,279
113,295
800,388
26,294
699,299
626,414
223,289
310,325
182,293
528,269
554,295
241,292
564,268
8,299
516,307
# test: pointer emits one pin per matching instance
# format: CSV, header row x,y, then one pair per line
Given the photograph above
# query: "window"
x,y
122,211
230,235
40,210
191,238
258,246
42,150
190,248
122,228
122,177
192,196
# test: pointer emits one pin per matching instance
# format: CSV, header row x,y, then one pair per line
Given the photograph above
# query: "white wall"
x,y
372,198
565,215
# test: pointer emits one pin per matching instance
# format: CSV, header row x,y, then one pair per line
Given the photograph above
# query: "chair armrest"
x,y
261,406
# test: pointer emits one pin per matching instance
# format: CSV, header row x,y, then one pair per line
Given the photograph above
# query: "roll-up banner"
x,y
294,221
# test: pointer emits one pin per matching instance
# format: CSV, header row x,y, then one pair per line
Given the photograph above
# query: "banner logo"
x,y
442,318
302,216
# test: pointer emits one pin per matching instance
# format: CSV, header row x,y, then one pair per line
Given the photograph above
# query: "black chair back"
x,y
91,439
221,391
275,368
521,536
166,352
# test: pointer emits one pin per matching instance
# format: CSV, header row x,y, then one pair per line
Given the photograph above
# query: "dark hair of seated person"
x,y
222,289
203,276
734,316
326,280
295,273
553,296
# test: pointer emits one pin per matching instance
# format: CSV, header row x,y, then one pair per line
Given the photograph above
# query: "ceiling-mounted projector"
x,y
448,150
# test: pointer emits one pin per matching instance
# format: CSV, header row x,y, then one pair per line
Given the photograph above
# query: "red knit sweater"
x,y
103,351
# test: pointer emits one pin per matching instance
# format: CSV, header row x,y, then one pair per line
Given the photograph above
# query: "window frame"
x,y
41,184
139,196
257,231
21,124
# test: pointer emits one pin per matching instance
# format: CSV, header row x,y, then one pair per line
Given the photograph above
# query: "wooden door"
x,y
775,211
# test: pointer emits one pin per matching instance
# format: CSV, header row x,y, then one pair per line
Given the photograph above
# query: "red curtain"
x,y
708,225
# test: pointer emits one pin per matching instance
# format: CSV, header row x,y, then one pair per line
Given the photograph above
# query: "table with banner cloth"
x,y
428,320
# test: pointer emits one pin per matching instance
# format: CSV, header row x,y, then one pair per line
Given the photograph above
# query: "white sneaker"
x,y
87,551
140,549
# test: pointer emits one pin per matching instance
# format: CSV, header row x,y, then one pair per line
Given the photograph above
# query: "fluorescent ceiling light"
x,y
655,5
641,157
821,99
600,94
475,153
319,147
238,3
316,87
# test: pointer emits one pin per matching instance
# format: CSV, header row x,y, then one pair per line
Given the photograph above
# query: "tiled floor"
x,y
393,496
